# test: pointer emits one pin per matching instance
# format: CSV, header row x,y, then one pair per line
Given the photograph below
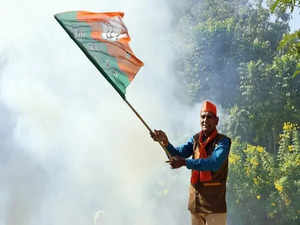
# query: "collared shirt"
x,y
213,162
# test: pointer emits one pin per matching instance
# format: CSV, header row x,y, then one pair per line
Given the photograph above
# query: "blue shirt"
x,y
213,162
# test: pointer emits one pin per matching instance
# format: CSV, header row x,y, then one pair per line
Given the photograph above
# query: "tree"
x,y
265,186
290,42
217,36
270,96
284,5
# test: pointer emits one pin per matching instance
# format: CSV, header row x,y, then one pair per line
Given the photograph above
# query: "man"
x,y
209,166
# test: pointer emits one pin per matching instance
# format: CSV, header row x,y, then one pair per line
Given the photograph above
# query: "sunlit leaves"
x,y
285,5
266,184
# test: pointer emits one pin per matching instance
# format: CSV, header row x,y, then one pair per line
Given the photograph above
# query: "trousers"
x,y
208,219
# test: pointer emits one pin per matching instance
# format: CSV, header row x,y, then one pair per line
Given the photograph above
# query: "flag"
x,y
104,39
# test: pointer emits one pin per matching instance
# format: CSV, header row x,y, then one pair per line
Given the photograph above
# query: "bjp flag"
x,y
104,39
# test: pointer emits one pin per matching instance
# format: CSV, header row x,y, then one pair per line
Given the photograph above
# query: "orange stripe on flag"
x,y
92,16
119,48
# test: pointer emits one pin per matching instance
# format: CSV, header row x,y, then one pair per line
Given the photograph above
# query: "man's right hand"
x,y
160,136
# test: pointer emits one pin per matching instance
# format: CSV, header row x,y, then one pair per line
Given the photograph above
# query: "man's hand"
x,y
176,162
160,136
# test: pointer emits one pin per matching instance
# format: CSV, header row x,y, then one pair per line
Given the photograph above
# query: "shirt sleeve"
x,y
214,161
185,150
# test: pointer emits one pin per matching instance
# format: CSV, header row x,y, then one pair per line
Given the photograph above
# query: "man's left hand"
x,y
176,162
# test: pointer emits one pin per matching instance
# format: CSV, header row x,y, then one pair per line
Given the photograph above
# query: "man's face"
x,y
208,122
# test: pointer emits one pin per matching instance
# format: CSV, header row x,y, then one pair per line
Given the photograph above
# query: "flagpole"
x,y
64,18
146,125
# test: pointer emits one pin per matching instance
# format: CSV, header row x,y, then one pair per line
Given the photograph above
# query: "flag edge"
x,y
91,59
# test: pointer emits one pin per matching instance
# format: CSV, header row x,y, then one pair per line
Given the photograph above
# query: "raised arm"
x,y
185,150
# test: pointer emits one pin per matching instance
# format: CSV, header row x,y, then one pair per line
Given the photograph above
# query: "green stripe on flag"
x,y
96,51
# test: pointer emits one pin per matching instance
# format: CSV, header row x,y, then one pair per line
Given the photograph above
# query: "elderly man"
x,y
209,167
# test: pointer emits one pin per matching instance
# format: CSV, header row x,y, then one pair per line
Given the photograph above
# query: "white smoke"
x,y
69,145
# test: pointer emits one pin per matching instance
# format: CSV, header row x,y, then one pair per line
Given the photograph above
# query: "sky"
x,y
295,21
72,152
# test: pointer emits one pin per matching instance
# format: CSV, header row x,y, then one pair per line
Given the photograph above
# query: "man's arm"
x,y
185,150
214,161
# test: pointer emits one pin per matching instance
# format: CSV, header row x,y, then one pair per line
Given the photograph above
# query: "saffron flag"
x,y
104,39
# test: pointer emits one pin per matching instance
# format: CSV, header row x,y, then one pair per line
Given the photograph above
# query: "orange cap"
x,y
209,107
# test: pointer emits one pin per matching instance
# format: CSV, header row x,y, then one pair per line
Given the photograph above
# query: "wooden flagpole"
x,y
146,125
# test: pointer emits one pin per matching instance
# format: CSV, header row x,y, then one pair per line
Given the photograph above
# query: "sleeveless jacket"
x,y
209,197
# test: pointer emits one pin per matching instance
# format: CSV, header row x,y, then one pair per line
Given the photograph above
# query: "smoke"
x,y
71,151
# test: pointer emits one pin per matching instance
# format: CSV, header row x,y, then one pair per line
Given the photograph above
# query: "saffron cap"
x,y
209,107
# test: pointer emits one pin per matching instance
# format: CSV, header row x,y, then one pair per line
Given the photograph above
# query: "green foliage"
x,y
291,41
291,44
285,5
219,36
268,91
265,186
